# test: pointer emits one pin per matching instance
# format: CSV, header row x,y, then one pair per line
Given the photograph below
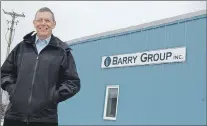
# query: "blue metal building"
x,y
150,74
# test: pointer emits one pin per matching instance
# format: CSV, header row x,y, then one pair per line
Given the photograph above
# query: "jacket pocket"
x,y
51,102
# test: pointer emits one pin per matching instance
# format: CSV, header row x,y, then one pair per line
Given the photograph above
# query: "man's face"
x,y
44,24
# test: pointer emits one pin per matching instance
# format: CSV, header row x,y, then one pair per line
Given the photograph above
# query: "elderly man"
x,y
39,73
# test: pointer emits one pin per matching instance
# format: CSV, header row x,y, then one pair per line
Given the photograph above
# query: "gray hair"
x,y
45,9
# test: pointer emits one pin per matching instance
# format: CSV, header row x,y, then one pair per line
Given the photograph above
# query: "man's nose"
x,y
43,22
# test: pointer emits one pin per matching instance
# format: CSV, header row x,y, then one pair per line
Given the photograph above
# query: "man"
x,y
39,73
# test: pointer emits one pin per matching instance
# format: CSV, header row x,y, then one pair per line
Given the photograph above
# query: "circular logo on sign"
x,y
107,61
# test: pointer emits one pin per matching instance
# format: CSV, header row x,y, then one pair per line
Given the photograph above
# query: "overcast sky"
x,y
77,19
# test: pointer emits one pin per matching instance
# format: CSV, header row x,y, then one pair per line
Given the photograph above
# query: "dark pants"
x,y
8,122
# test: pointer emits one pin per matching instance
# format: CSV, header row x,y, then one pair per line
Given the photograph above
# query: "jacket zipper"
x,y
30,97
33,79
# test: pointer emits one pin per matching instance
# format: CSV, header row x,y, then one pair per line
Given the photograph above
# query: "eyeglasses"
x,y
41,20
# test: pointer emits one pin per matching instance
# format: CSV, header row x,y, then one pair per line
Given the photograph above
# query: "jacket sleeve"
x,y
69,81
9,71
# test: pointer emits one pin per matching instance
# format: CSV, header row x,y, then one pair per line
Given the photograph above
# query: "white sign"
x,y
143,58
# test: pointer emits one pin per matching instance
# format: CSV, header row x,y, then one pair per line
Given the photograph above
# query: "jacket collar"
x,y
31,37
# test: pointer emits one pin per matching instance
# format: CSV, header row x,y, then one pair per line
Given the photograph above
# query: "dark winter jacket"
x,y
37,83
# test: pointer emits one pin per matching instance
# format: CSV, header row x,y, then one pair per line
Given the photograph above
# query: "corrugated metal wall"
x,y
165,94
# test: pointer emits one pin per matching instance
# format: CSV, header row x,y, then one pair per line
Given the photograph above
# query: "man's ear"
x,y
54,24
34,22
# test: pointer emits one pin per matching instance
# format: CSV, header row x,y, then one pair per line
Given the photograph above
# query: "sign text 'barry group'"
x,y
144,58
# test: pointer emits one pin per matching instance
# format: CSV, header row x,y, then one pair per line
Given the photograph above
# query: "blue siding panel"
x,y
164,94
